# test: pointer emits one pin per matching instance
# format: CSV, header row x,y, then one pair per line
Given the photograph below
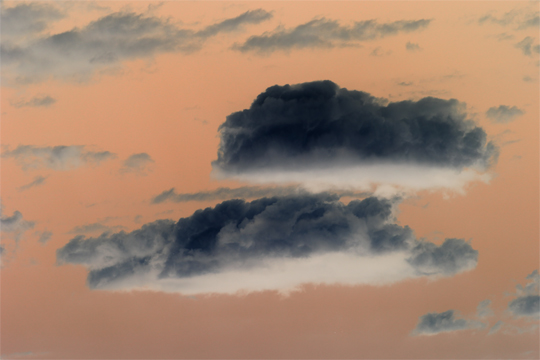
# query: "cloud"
x,y
95,227
412,47
526,46
435,323
15,224
504,114
138,164
269,243
318,133
37,101
38,180
495,328
45,236
483,309
527,304
517,18
107,42
26,19
56,158
244,192
326,33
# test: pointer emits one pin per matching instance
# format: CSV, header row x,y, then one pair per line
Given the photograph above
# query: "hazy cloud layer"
x,y
55,157
137,163
105,43
37,101
269,243
435,323
38,180
326,33
518,19
504,114
312,131
244,192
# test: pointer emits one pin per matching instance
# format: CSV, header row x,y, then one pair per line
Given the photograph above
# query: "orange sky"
x,y
170,105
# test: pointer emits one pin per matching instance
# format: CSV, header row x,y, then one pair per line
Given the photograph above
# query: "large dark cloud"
x,y
251,236
326,33
319,125
106,43
434,323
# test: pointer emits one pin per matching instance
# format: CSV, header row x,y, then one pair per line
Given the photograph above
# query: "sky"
x,y
195,180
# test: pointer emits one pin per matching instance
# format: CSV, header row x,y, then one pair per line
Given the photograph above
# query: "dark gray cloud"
x,y
435,323
244,236
412,47
44,236
318,124
504,114
38,180
326,33
38,101
55,157
527,47
26,19
107,42
138,164
244,192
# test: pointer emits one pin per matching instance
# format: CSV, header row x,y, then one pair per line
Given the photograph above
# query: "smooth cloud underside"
x,y
102,44
270,243
326,33
317,133
56,157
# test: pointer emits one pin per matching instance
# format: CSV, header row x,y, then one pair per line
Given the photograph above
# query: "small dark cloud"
x,y
378,51
527,304
105,43
137,163
504,114
527,47
55,157
244,236
38,180
38,101
45,236
435,323
326,33
412,47
318,124
495,328
15,224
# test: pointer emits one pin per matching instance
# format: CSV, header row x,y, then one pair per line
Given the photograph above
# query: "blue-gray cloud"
x,y
26,19
137,163
15,224
55,157
38,180
326,33
247,235
504,114
527,47
435,323
412,47
318,124
37,101
105,43
527,304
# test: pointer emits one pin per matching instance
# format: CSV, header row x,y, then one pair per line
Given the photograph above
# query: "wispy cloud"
x,y
38,101
38,180
503,113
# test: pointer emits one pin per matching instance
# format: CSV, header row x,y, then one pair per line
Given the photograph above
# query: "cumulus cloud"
x,y
317,133
137,163
504,114
55,157
435,323
527,47
269,243
37,101
105,43
327,33
527,304
244,192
